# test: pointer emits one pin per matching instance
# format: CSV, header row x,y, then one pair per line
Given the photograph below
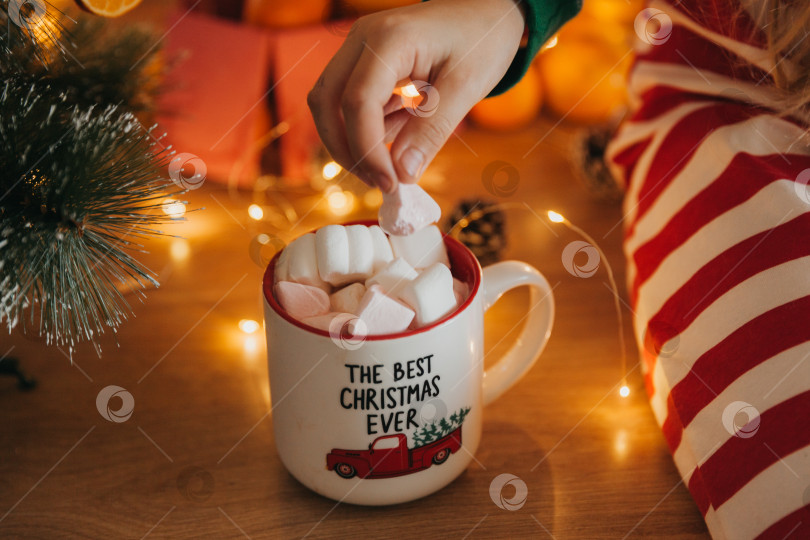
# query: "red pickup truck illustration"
x,y
390,456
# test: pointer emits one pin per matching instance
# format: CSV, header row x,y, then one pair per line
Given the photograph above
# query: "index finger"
x,y
368,90
324,101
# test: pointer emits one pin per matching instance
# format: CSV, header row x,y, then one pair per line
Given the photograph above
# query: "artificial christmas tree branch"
x,y
80,183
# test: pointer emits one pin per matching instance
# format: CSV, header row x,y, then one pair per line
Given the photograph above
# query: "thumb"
x,y
434,114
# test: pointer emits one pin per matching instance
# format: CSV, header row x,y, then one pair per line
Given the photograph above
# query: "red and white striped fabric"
x,y
718,251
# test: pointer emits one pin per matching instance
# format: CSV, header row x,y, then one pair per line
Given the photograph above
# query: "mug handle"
x,y
497,279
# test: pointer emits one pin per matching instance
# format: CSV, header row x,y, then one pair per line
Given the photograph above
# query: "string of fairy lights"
x,y
555,218
326,183
340,202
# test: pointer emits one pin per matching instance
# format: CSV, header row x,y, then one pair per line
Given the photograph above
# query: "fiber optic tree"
x,y
81,179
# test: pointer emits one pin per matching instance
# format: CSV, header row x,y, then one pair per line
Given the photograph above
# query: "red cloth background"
x,y
216,103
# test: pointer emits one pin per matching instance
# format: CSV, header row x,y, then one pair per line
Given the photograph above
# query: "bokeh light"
x,y
340,202
179,249
255,212
173,208
331,170
248,326
409,90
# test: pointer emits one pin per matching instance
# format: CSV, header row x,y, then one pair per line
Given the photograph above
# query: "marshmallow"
x,y
381,314
331,322
348,298
430,294
421,249
460,290
282,271
407,210
393,277
332,252
345,254
361,252
303,262
301,301
382,248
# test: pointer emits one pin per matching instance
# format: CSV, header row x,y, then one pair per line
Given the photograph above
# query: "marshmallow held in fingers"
x,y
431,294
348,298
408,210
421,249
301,301
393,277
381,314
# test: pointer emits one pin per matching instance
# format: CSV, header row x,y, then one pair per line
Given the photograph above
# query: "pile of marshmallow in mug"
x,y
369,282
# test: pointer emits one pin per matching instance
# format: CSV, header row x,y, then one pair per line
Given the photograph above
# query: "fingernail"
x,y
411,160
382,182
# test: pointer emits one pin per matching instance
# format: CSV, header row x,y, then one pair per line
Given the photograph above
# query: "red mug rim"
x,y
463,266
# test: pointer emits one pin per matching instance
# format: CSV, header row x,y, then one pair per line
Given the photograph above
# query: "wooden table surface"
x,y
197,457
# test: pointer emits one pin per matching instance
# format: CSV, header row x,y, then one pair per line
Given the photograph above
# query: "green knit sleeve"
x,y
543,19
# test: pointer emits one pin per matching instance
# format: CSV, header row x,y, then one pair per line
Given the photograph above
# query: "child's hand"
x,y
461,47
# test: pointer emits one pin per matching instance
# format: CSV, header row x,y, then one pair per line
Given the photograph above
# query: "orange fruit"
x,y
513,109
368,6
618,35
286,13
612,11
585,81
107,8
607,10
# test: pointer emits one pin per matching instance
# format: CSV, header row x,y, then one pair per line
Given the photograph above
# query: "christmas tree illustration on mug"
x,y
389,455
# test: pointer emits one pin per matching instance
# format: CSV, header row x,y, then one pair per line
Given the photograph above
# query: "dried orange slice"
x,y
108,8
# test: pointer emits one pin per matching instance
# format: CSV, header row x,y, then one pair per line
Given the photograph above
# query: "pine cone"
x,y
479,225
588,160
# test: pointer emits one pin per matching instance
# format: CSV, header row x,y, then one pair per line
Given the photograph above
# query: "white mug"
x,y
389,419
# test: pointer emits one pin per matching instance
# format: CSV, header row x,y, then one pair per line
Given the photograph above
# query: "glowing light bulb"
x,y
331,170
255,211
174,208
555,217
248,326
624,391
409,90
